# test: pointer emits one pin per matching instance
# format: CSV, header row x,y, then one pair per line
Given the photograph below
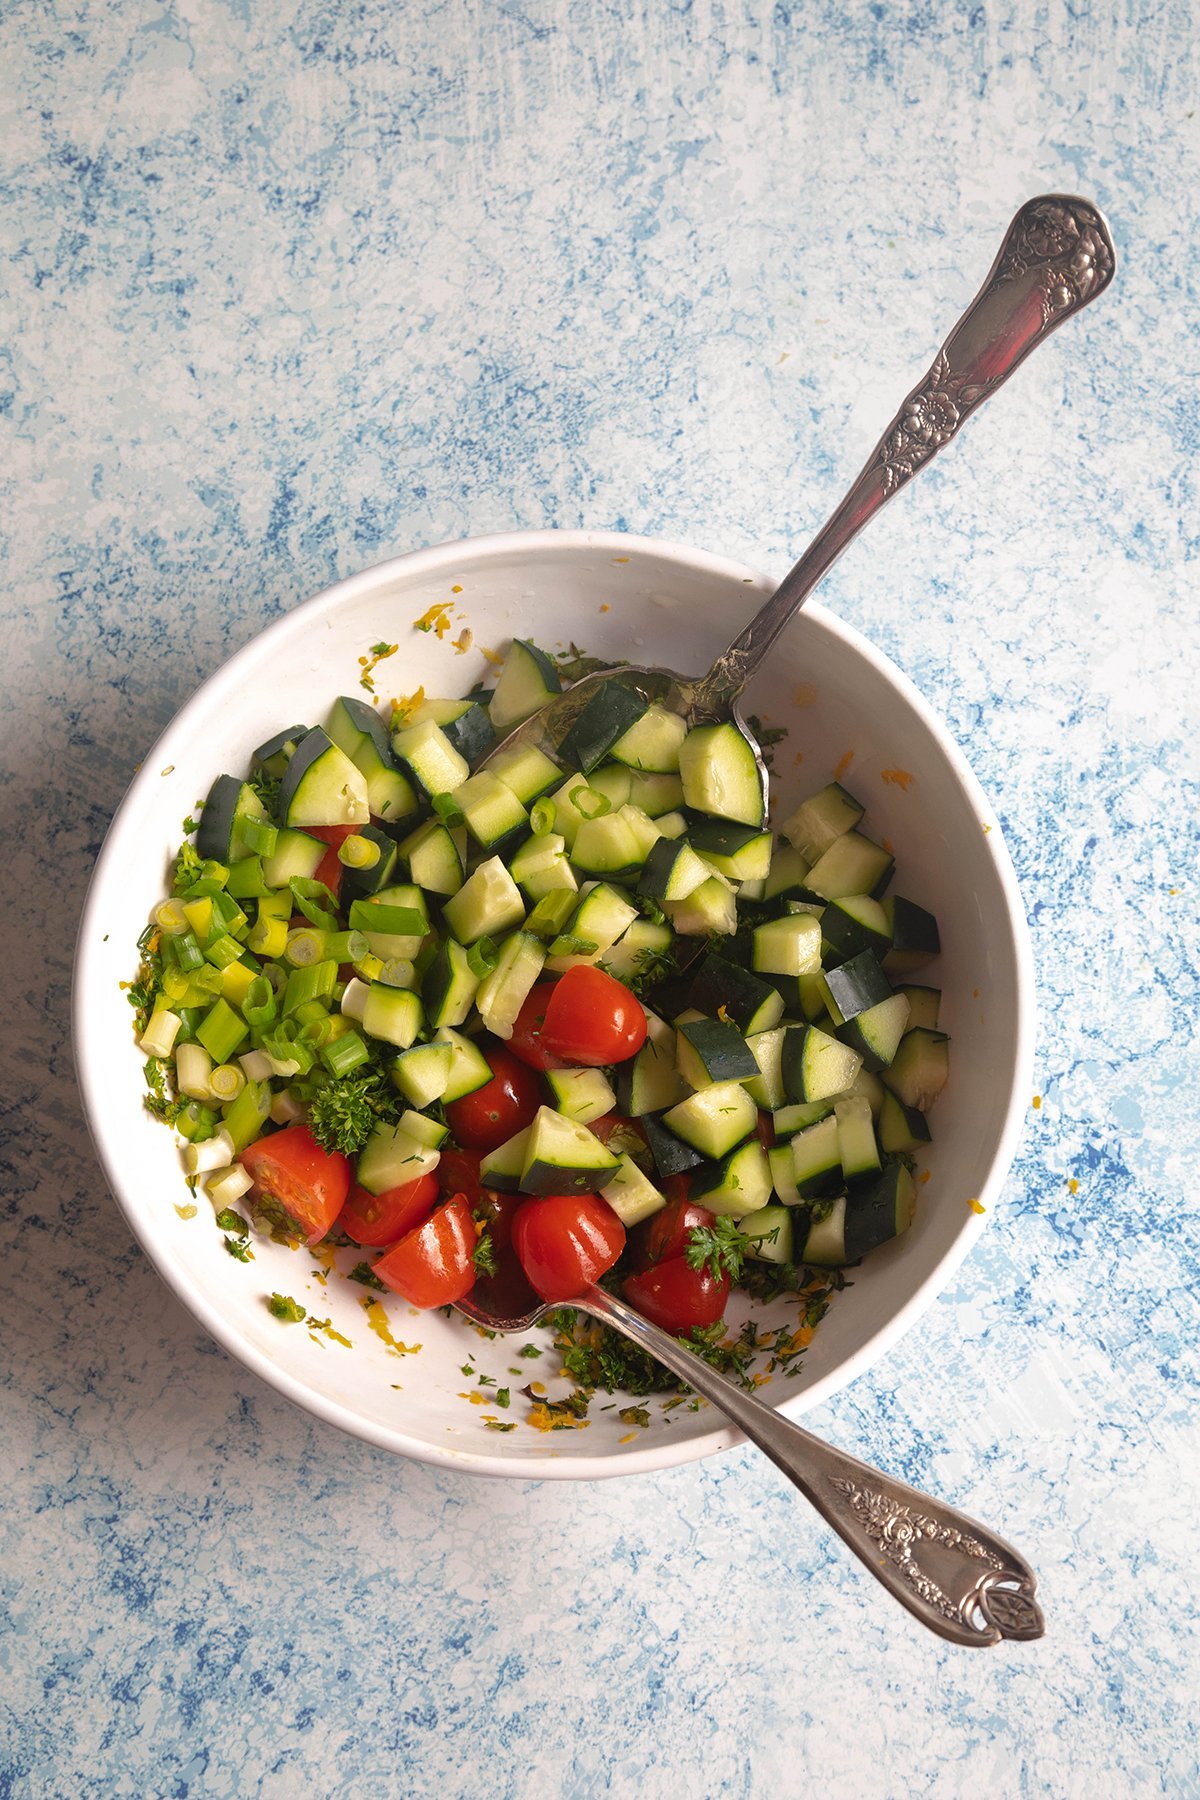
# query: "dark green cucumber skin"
x,y
721,1048
871,1212
316,744
438,980
844,938
719,982
471,733
913,929
607,716
859,984
671,1155
719,837
655,875
279,748
360,884
368,721
215,829
551,1178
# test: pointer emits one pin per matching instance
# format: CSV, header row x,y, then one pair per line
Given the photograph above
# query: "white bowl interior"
x,y
846,708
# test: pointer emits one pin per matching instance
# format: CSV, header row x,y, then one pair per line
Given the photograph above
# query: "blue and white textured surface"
x,y
292,287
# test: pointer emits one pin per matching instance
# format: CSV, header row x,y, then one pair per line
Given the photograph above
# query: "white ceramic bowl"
x,y
627,598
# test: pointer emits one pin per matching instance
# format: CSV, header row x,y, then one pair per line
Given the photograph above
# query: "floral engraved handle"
x,y
953,1574
1056,257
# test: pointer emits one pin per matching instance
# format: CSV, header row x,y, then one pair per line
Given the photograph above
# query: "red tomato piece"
x,y
499,1109
566,1242
677,1297
329,869
433,1265
495,1212
764,1130
378,1219
309,1183
667,1234
526,1040
458,1173
592,1018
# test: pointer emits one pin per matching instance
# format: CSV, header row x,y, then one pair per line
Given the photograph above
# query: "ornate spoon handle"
x,y
953,1574
1056,258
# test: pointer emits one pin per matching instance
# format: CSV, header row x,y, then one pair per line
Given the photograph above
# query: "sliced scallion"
x,y
358,852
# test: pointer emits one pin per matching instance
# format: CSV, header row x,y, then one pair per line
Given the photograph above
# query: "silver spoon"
x,y
953,1574
1056,257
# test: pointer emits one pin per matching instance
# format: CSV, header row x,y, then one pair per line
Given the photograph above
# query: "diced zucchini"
x,y
321,786
709,909
851,925
614,782
672,871
710,1050
423,1129
600,919
552,913
273,756
736,1184
817,1160
876,1033
390,1157
486,905
715,1119
631,1194
671,1155
358,729
783,1174
854,986
465,722
739,852
502,994
670,824
919,1069
856,1138
218,835
501,1168
563,1157
608,713
824,1246
634,950
815,1066
853,864
766,1090
788,1120
469,1067
607,846
427,753
449,985
652,742
645,831
581,1094
868,1084
295,855
491,810
861,1221
526,770
902,1129
787,875
423,1073
657,795
914,935
527,681
752,1003
769,1234
433,857
393,1014
720,774
361,883
787,946
650,1081
540,866
821,820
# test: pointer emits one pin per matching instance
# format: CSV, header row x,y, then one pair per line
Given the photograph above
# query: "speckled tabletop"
x,y
289,288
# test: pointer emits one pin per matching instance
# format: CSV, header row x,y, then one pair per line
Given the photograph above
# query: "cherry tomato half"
x,y
433,1265
309,1183
666,1235
677,1297
526,1040
378,1219
458,1173
593,1018
499,1109
565,1242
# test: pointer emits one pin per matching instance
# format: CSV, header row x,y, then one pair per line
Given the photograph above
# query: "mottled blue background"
x,y
288,288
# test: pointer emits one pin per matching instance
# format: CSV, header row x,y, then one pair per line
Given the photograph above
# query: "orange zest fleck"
x,y
1037,1103
805,694
620,559
1072,1184
843,764
377,1319
923,1177
435,618
898,778
628,1438
976,1206
368,664
542,1419
404,708
605,607
492,656
456,589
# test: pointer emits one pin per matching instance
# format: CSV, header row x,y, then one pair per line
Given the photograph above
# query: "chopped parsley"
x,y
159,1101
717,1249
343,1113
239,1249
768,736
484,1254
573,663
228,1220
366,1277
502,1396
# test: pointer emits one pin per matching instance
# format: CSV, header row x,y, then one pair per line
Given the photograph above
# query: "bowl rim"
x,y
549,1466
